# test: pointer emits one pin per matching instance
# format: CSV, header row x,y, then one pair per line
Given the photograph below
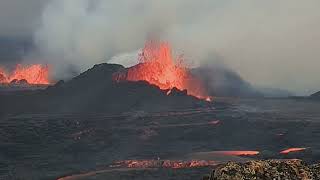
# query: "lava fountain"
x,y
157,66
33,74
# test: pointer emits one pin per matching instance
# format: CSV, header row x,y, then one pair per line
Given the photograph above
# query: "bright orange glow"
x,y
238,153
158,67
33,74
290,150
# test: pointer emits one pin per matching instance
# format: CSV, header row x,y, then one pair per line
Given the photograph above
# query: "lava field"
x,y
91,145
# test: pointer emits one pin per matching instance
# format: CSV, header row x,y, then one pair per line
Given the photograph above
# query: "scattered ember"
x,y
290,150
158,67
238,153
33,74
174,164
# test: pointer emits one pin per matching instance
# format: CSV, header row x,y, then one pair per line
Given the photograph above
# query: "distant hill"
x,y
315,95
274,92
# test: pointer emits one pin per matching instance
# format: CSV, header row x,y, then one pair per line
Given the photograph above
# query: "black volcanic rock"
x,y
176,92
19,82
98,76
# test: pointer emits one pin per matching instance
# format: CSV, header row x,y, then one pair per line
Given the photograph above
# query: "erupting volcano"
x,y
33,74
158,67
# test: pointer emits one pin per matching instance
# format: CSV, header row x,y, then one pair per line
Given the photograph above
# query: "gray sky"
x,y
271,43
17,17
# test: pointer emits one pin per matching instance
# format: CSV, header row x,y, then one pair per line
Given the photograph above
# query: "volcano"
x,y
96,91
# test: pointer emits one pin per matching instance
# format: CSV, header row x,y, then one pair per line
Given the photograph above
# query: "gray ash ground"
x,y
49,146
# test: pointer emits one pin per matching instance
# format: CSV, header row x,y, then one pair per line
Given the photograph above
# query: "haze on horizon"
x,y
269,43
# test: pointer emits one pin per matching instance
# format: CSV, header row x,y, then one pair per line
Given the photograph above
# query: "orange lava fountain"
x,y
290,150
158,67
33,74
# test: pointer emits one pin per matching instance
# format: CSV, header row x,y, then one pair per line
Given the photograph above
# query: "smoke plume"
x,y
269,43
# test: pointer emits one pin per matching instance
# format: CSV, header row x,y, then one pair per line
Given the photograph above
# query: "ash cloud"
x,y
269,43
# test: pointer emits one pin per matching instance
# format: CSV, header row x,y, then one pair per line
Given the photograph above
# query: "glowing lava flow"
x,y
33,74
238,153
158,67
290,150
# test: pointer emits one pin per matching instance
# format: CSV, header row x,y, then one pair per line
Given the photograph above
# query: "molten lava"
x,y
158,67
290,150
33,74
238,153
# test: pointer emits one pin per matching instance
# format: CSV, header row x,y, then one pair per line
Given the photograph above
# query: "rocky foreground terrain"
x,y
266,169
